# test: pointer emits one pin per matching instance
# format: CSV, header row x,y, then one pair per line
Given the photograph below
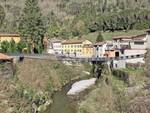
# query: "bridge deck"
x,y
65,58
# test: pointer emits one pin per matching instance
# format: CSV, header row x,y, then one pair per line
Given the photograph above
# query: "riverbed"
x,y
62,103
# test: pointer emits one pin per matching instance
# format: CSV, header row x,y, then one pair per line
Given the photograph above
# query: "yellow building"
x,y
74,47
87,50
10,37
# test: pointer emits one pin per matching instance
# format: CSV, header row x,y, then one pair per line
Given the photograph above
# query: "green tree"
x,y
20,46
99,37
12,47
31,26
5,46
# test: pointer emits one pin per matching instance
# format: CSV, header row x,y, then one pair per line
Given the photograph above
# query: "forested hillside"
x,y
69,18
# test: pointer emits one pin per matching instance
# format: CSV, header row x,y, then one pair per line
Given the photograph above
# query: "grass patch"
x,y
98,101
109,35
136,76
39,73
118,84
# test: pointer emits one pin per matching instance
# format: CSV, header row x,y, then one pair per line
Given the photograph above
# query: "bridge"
x,y
99,59
68,58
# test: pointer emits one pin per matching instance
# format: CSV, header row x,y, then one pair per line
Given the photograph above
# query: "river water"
x,y
61,102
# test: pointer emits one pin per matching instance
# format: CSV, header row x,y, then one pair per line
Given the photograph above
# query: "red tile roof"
x,y
73,41
5,57
100,43
139,37
9,35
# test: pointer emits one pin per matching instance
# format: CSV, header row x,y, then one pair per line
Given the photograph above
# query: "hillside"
x,y
69,18
109,35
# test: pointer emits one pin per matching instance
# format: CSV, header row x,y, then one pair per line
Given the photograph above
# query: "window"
x,y
139,43
96,48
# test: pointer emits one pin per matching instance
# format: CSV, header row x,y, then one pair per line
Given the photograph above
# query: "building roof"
x,y
73,41
88,46
9,35
100,43
139,37
122,37
134,37
5,57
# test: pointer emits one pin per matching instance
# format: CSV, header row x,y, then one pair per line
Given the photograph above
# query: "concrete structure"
x,y
10,37
119,64
74,47
80,86
130,52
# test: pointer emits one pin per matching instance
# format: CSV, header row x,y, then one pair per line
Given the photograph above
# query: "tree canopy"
x,y
99,37
31,26
71,18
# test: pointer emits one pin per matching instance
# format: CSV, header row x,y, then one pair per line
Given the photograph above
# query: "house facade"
x,y
99,49
87,51
74,47
104,49
10,37
54,46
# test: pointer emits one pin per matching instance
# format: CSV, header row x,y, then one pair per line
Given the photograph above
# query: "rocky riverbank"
x,y
32,87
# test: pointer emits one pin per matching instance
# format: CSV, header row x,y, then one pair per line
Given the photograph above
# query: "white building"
x,y
99,49
54,46
133,46
138,42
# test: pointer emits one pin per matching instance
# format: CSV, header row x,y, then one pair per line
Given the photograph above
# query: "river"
x,y
61,102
